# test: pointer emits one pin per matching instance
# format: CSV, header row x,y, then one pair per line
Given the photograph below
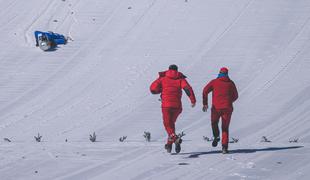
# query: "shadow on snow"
x,y
237,151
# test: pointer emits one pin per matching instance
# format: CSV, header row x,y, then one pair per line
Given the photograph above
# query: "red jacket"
x,y
224,93
170,84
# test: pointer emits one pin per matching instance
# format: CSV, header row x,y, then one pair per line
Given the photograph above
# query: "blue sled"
x,y
49,40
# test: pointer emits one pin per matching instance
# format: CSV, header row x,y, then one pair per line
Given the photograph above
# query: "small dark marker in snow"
x,y
183,164
55,20
83,155
7,139
72,12
36,172
279,162
129,7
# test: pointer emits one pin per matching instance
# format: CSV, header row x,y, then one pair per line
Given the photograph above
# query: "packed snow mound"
x,y
100,83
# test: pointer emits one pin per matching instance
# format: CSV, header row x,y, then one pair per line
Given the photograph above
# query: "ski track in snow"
x,y
99,83
212,42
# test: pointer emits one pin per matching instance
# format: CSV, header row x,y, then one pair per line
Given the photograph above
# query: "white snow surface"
x,y
99,82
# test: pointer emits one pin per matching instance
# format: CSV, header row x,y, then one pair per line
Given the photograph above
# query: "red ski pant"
x,y
225,114
170,116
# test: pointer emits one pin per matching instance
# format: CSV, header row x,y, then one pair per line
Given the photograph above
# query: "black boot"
x,y
177,143
168,147
225,149
215,141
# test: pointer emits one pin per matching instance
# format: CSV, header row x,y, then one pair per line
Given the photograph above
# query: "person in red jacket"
x,y
224,93
170,84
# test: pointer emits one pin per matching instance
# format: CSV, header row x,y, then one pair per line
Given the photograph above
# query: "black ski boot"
x,y
225,149
177,143
215,141
168,147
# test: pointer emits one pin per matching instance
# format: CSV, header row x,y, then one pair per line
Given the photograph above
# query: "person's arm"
x,y
156,87
189,91
234,93
206,90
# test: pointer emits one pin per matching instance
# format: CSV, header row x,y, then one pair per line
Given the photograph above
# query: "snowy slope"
x,y
100,82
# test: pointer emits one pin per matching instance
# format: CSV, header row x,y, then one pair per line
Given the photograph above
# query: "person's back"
x,y
223,92
172,82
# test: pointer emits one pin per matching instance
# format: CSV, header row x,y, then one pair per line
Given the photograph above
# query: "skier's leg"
x,y
215,117
168,124
177,140
175,113
226,116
